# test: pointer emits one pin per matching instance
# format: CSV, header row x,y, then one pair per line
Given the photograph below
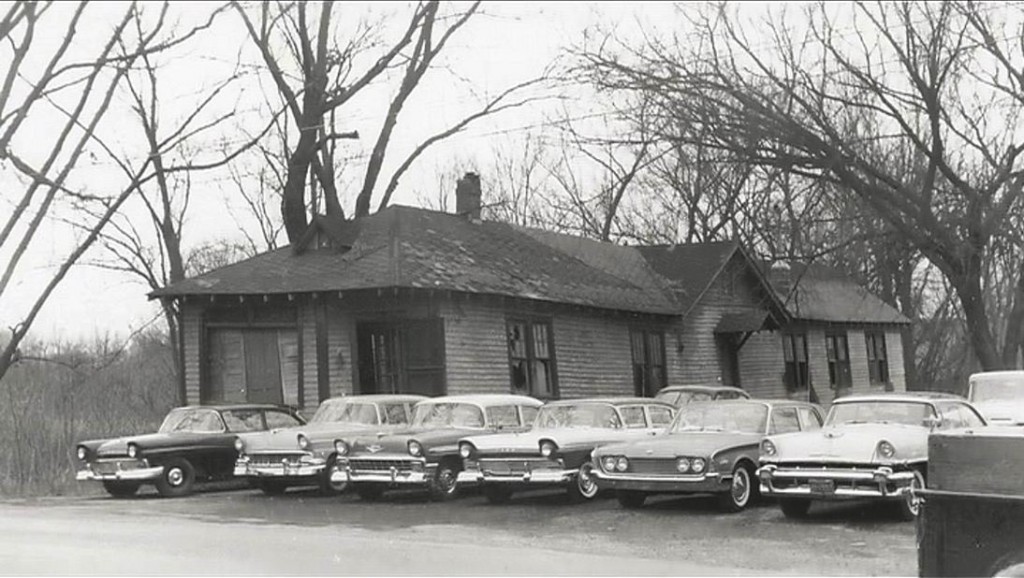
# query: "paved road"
x,y
246,533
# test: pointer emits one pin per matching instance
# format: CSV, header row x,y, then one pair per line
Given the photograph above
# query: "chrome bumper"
x,y
121,475
708,482
308,467
420,475
881,482
544,476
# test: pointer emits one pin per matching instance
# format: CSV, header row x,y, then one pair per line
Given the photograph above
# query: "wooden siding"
x,y
593,355
307,335
341,349
476,347
192,323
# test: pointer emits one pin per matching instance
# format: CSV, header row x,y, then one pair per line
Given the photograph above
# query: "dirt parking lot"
x,y
245,532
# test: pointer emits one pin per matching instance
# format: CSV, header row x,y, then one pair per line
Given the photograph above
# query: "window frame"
x,y
839,373
530,389
642,369
800,377
878,366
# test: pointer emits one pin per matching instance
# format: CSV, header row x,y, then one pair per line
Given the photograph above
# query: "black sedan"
x,y
194,443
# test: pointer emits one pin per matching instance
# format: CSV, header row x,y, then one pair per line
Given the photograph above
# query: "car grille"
x,y
653,466
515,466
105,467
380,465
274,459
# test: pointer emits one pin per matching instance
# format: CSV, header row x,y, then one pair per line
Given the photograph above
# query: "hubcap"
x,y
446,480
585,479
914,502
740,487
175,477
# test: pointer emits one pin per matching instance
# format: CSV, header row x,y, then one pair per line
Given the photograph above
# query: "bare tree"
x,y
838,105
76,83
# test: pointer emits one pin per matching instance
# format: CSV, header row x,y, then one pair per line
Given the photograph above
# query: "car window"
x,y
659,415
529,413
784,420
243,420
730,395
633,416
502,416
957,415
585,414
809,419
394,413
970,417
279,419
192,420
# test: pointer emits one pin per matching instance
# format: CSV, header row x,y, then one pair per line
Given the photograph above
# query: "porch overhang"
x,y
745,322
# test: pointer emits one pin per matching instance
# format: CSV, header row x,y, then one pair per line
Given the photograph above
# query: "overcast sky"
x,y
507,43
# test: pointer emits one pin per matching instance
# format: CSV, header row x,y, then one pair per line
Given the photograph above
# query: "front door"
x,y
728,358
262,366
402,357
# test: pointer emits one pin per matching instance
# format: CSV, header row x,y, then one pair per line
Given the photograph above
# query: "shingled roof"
x,y
407,247
823,294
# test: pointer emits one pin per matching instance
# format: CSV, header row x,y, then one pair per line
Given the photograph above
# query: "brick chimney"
x,y
467,196
781,278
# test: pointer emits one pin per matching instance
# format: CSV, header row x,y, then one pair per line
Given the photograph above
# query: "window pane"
x,y
395,413
279,419
541,379
633,416
659,415
502,416
784,420
540,342
240,420
517,340
529,414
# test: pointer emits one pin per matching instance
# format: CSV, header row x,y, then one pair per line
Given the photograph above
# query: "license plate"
x,y
823,487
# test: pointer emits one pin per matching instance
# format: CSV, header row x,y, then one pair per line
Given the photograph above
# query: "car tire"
x,y
273,487
121,489
496,494
631,499
583,486
910,506
740,492
327,487
369,492
177,479
795,508
444,485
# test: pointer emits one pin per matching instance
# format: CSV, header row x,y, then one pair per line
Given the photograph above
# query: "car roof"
x,y
379,397
759,401
221,406
485,399
901,396
710,387
1000,373
617,401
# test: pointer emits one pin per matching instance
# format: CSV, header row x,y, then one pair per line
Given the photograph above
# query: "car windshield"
x,y
684,397
599,415
344,411
192,420
439,415
997,389
727,417
904,412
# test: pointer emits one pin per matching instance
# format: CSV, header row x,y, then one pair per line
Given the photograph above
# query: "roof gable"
x,y
822,294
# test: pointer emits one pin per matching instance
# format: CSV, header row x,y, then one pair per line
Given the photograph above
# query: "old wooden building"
x,y
420,301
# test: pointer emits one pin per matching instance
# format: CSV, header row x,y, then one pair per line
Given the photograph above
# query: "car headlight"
x,y
697,465
340,448
621,464
886,450
239,445
303,442
466,450
82,452
415,448
683,465
133,450
547,447
768,448
608,463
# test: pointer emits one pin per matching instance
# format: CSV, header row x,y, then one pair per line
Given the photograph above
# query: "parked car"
x,y
711,447
426,454
193,443
999,396
307,455
556,451
872,446
680,395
